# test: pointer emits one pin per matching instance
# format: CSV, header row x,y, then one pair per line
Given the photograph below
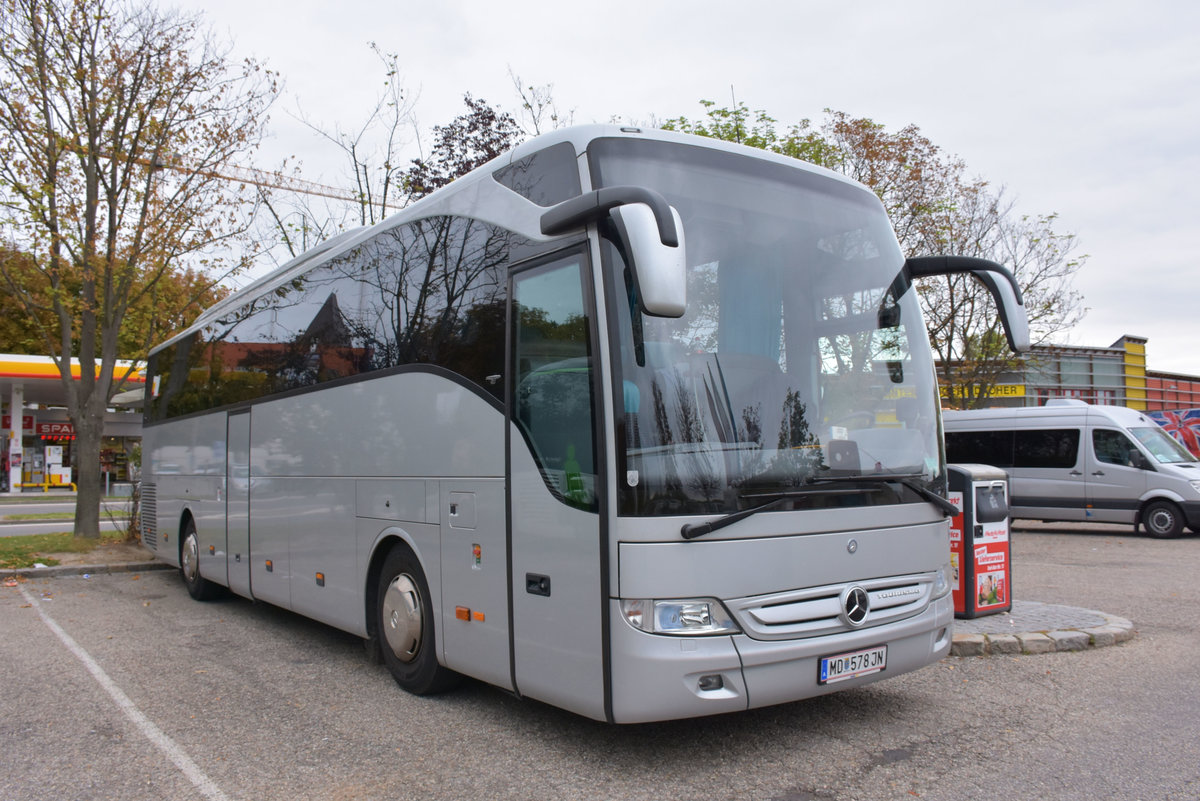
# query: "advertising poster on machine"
x,y
990,552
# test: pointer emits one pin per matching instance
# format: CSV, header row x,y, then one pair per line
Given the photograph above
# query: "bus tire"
x,y
1162,520
200,588
405,625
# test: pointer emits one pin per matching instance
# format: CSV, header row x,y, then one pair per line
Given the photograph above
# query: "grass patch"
x,y
22,552
41,516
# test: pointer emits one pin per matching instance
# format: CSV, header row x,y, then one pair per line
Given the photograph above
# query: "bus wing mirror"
x,y
659,270
999,281
651,234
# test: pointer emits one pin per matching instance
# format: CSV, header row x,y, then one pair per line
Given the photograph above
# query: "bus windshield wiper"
x,y
907,479
691,531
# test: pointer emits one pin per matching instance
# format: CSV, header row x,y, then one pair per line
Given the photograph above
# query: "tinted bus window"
x,y
431,292
547,177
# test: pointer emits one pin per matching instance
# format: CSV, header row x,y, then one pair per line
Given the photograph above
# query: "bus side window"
x,y
554,405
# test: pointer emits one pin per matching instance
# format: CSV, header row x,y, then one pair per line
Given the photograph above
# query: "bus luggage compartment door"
x,y
474,566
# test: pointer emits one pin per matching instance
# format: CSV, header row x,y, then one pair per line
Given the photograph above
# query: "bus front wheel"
x,y
406,627
1162,520
198,587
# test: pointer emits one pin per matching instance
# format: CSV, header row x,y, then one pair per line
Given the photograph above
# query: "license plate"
x,y
852,664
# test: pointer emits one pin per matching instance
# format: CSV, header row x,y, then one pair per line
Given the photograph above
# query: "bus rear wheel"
x,y
1162,520
198,587
404,622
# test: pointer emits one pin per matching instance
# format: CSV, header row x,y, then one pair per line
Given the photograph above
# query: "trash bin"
x,y
979,541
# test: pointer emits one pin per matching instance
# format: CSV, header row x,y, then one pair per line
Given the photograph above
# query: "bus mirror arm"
x,y
999,281
590,207
651,235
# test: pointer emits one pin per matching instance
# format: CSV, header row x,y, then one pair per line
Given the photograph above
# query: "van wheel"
x,y
1162,520
406,627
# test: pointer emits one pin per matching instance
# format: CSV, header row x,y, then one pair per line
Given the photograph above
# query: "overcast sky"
x,y
1090,110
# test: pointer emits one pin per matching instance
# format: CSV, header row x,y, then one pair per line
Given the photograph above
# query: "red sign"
x,y
55,430
26,422
956,552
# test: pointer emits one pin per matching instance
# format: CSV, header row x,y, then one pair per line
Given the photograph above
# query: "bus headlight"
x,y
941,582
689,616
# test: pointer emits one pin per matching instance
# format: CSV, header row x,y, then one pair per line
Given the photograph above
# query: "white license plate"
x,y
852,664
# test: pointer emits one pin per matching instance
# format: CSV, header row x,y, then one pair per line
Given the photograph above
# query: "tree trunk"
x,y
89,429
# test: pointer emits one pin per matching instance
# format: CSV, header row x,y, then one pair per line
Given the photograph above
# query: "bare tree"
x,y
539,111
374,147
963,321
96,97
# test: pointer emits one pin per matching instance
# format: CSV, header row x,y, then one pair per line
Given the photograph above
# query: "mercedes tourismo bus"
x,y
641,425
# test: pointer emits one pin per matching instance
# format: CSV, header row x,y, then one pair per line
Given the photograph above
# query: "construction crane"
x,y
255,177
231,172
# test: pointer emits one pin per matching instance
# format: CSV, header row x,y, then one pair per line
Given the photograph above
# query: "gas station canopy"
x,y
43,386
35,399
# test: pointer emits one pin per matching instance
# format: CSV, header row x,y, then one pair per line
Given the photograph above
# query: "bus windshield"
x,y
802,357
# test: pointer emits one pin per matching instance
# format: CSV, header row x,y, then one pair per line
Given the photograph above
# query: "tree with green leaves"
x,y
935,208
163,309
115,121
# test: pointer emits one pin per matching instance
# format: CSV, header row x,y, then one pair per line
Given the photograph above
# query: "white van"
x,y
1069,460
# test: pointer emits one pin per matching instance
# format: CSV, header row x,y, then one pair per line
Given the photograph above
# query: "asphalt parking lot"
x,y
121,686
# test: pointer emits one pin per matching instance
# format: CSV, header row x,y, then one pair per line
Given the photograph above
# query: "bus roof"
x,y
486,199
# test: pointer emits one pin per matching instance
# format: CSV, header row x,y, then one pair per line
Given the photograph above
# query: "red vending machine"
x,y
979,541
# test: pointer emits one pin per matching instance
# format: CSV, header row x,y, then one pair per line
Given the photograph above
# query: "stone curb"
x,y
1114,630
79,570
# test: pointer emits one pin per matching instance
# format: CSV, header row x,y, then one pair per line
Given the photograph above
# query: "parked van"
x,y
1069,460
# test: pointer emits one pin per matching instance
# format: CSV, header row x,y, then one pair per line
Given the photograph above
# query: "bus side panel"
x,y
308,455
310,522
186,459
416,425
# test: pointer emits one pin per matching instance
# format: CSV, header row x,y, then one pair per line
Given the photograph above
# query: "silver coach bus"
x,y
641,425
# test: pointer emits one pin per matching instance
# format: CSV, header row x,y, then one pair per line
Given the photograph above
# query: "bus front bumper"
x,y
656,677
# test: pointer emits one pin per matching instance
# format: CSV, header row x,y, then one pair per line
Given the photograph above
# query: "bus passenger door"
x,y
557,593
237,501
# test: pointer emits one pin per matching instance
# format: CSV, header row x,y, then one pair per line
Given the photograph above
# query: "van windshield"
x,y
1160,444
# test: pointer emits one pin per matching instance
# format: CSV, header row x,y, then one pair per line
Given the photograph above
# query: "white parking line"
x,y
152,733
